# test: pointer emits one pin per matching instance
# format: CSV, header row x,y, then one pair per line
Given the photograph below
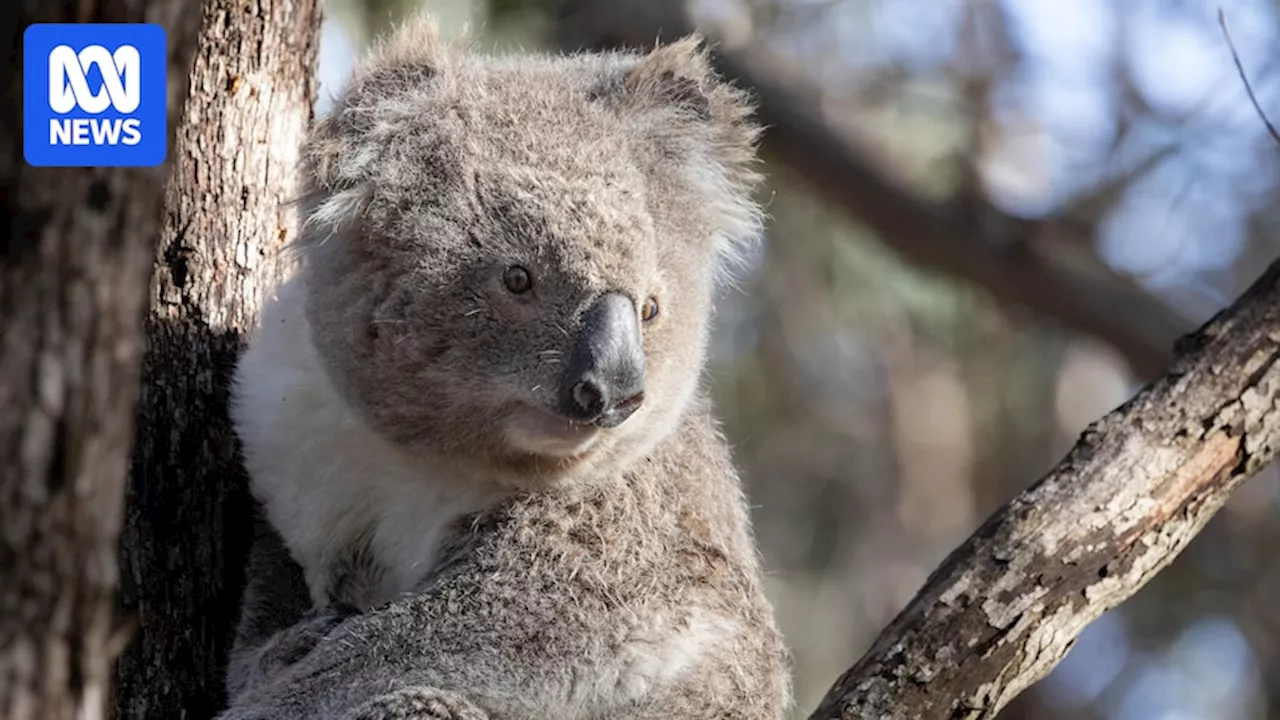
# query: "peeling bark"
x,y
1140,483
1010,258
73,275
189,521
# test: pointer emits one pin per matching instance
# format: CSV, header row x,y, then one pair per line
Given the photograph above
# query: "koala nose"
x,y
604,381
591,400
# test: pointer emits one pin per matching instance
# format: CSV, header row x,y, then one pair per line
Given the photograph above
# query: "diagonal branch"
x,y
1012,262
1140,483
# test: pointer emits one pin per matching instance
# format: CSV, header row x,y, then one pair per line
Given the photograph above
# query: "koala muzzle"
x,y
604,381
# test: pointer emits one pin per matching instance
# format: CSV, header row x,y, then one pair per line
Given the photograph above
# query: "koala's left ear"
x,y
342,150
677,89
694,118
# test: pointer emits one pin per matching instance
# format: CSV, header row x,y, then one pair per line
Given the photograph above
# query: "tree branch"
x,y
1004,608
1013,263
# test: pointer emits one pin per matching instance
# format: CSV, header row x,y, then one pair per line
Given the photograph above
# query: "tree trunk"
x,y
227,217
73,275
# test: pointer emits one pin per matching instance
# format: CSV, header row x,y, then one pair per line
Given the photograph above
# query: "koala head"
x,y
510,261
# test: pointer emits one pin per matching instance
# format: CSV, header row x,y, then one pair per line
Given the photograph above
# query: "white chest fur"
x,y
323,476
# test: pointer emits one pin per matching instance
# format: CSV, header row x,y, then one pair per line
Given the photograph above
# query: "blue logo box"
x,y
94,95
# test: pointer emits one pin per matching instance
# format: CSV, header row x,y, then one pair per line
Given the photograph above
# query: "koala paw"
x,y
291,644
252,667
418,703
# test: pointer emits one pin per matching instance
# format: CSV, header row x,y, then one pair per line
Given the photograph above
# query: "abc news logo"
x,y
94,95
69,89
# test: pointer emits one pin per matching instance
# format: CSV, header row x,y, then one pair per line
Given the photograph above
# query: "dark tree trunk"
x,y
74,264
188,517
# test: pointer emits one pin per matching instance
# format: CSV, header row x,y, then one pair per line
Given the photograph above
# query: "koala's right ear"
x,y
695,118
676,81
342,149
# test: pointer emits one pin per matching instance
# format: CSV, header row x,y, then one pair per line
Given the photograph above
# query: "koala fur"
x,y
475,416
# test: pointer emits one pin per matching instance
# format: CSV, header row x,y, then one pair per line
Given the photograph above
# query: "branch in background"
x,y
1244,77
1015,264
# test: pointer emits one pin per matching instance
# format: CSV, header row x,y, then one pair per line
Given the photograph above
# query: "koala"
x,y
476,418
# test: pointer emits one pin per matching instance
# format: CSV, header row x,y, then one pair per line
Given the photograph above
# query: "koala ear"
x,y
342,148
677,80
405,61
674,76
691,114
406,58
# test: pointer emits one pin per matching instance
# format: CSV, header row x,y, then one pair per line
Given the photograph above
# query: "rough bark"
x,y
1011,259
73,275
227,217
1140,483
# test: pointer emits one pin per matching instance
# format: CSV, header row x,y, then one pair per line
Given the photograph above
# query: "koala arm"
x,y
418,659
277,625
418,703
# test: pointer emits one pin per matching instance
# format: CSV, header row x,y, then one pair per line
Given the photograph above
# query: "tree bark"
x,y
1013,260
1005,607
227,217
73,275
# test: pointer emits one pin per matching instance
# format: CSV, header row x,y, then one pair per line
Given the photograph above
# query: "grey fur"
x,y
622,582
277,625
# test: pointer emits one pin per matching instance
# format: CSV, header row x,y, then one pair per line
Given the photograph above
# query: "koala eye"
x,y
649,310
517,280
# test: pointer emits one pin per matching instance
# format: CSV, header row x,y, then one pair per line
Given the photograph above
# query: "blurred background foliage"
x,y
1103,184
